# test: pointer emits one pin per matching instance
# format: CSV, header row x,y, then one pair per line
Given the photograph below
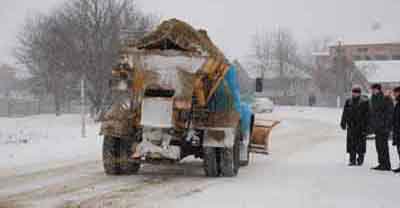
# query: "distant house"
x,y
375,60
292,86
365,51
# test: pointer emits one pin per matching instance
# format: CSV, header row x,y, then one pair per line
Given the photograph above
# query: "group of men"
x,y
378,117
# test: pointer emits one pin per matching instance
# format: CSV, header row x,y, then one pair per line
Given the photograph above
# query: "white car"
x,y
263,105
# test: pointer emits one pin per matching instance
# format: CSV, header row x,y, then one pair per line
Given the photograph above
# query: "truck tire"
x,y
247,161
230,159
116,154
126,166
243,147
211,161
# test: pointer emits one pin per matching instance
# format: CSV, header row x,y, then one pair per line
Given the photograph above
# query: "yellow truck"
x,y
175,95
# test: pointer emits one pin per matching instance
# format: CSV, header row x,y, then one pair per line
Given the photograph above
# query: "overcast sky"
x,y
231,23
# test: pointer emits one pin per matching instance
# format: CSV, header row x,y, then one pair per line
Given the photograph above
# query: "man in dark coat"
x,y
355,120
381,113
396,123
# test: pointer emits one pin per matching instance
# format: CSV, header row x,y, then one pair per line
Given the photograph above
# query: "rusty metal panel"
x,y
217,119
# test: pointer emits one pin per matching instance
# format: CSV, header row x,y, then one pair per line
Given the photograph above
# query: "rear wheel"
x,y
211,160
110,154
245,148
230,159
116,155
244,154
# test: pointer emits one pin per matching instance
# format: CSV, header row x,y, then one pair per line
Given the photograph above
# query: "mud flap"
x,y
260,138
219,137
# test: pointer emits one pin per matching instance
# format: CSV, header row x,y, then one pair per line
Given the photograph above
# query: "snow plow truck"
x,y
174,95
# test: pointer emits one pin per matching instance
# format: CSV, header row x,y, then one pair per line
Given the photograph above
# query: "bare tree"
x,y
285,50
316,46
262,46
340,74
79,40
274,48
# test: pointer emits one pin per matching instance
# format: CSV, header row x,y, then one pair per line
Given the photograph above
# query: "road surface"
x,y
307,168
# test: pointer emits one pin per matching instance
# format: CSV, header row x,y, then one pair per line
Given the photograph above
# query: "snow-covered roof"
x,y
385,35
365,43
380,71
322,53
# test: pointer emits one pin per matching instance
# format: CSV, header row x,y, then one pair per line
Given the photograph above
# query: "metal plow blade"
x,y
260,138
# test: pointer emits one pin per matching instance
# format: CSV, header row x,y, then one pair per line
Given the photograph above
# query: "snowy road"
x,y
307,168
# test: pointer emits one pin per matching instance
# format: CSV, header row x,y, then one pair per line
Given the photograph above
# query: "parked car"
x,y
263,105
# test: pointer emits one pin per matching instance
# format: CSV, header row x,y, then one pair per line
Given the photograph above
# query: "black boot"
x,y
353,158
360,160
398,152
382,168
379,167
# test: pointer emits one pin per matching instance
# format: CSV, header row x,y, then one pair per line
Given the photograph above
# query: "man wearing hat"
x,y
381,113
355,120
396,123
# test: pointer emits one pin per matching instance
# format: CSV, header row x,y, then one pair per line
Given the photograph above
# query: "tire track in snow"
x,y
87,186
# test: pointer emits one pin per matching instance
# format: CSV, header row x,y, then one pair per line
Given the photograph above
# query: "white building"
x,y
386,73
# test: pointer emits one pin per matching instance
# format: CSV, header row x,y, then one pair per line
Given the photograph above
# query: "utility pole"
x,y
83,130
340,74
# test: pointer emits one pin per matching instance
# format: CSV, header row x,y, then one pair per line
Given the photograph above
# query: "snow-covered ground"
x,y
307,168
314,175
33,143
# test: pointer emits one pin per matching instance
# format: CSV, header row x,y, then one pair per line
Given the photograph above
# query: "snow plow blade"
x,y
260,138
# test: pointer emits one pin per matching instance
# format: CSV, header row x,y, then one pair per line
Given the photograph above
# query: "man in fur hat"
x,y
355,121
381,113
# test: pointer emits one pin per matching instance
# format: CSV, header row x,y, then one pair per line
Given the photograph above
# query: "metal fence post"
x,y
83,108
9,108
38,102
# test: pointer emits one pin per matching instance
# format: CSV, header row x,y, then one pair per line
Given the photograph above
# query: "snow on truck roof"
x,y
380,71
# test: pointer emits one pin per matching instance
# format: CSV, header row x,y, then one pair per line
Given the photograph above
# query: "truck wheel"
x,y
244,152
116,153
245,162
230,159
110,154
126,166
211,161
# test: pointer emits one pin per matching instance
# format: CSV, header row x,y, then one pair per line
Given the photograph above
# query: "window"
x,y
381,57
356,58
396,57
362,50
